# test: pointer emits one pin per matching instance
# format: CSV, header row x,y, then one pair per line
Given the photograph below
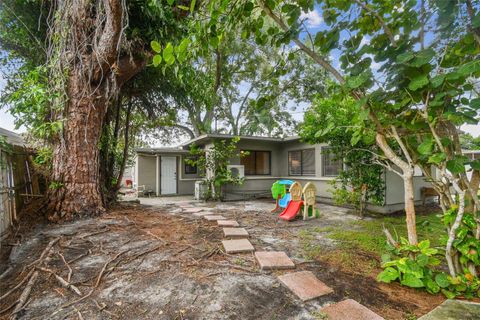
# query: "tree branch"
x,y
385,28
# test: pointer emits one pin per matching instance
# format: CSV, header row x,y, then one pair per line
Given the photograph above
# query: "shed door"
x,y
168,176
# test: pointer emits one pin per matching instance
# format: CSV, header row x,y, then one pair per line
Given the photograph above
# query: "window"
x,y
301,162
188,168
331,163
256,162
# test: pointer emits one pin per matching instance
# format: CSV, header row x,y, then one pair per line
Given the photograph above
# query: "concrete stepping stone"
x,y
192,210
269,260
235,233
214,217
305,285
203,213
227,223
454,309
237,246
349,309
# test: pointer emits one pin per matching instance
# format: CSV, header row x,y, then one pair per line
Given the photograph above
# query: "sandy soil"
x,y
160,263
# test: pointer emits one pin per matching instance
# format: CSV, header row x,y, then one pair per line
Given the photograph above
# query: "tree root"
x,y
64,283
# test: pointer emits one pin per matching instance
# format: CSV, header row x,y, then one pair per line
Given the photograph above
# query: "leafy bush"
x,y
413,266
213,165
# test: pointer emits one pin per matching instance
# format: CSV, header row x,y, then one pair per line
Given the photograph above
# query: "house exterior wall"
x,y
259,185
186,182
146,171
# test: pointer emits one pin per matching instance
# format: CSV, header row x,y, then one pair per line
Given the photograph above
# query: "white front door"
x,y
168,175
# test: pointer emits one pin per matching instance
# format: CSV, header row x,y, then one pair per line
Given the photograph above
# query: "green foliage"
x,y
43,161
5,147
417,266
335,120
469,142
212,165
412,266
466,244
55,185
30,102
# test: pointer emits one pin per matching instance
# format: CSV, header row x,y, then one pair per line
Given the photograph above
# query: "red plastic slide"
x,y
291,211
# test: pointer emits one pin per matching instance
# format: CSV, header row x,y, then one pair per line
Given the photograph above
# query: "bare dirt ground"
x,y
156,262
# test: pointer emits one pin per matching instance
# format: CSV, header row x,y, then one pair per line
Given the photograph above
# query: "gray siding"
x,y
146,171
259,185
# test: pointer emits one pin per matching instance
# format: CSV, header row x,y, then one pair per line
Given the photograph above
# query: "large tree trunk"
x,y
76,183
96,71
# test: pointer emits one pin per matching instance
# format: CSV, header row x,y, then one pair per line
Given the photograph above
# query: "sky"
x,y
314,23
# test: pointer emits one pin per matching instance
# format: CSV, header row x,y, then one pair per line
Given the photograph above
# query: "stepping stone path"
x,y
214,217
237,246
227,223
269,260
235,233
203,213
454,309
192,210
305,285
349,309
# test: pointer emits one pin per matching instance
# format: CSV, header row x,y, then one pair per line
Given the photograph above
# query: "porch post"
x,y
157,177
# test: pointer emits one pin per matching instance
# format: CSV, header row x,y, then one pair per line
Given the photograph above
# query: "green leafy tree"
x,y
67,64
410,65
329,120
468,142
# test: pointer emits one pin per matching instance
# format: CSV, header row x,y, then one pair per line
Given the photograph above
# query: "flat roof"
x,y
12,137
204,138
161,150
210,136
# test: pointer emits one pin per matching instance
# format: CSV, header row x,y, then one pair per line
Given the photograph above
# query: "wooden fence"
x,y
18,184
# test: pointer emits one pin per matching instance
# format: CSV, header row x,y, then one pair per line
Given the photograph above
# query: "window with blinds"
x,y
189,168
331,163
256,162
301,162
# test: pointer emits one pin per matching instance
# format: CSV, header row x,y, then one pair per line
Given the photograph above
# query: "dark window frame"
x,y
301,163
185,165
324,154
255,162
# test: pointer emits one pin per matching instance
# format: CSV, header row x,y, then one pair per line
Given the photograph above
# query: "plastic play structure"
x,y
292,201
281,194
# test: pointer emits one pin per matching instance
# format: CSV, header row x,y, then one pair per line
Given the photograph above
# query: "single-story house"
x,y
164,171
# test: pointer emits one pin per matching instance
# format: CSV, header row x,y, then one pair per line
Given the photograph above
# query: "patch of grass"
x,y
239,261
310,249
367,235
319,315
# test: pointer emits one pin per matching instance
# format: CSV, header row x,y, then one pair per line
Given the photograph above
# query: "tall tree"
x,y
93,49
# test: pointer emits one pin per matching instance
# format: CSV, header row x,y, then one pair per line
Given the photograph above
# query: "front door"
x,y
168,175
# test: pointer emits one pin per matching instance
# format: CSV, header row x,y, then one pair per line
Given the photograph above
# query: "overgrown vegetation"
x,y
212,164
361,179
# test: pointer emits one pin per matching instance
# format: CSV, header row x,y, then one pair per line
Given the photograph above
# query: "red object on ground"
x,y
291,211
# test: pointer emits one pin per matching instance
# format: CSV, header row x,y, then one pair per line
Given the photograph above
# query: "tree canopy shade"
x,y
422,87
64,88
330,120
